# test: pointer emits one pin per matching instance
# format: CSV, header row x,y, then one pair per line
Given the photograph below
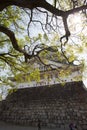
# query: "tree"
x,y
51,16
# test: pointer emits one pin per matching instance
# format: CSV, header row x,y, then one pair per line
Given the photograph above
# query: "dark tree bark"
x,y
31,4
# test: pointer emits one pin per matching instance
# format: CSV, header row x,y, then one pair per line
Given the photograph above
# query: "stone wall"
x,y
55,106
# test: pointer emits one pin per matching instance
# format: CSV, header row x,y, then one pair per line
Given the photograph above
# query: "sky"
x,y
80,26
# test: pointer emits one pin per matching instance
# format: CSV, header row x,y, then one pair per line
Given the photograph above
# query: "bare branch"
x,y
3,54
31,16
67,32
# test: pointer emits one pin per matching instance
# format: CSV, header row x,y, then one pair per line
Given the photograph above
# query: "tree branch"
x,y
67,32
11,35
75,10
31,4
4,54
15,45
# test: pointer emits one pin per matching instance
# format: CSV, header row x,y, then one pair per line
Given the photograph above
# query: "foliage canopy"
x,y
33,28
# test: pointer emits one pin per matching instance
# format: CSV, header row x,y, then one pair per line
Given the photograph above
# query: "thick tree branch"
x,y
75,10
15,45
24,3
67,32
11,35
30,4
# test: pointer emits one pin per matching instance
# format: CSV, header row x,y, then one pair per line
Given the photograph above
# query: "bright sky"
x,y
77,23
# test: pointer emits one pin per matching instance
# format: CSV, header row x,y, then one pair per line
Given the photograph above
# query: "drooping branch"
x,y
31,16
13,40
67,32
11,35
